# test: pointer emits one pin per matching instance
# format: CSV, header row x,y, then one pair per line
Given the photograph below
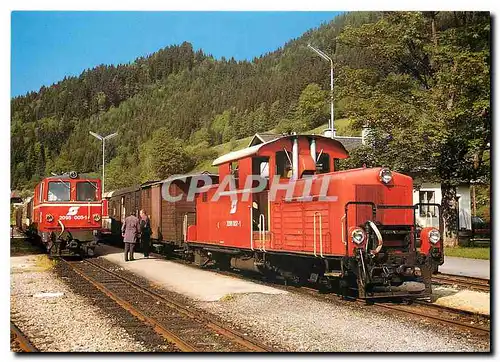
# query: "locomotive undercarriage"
x,y
78,242
391,274
383,276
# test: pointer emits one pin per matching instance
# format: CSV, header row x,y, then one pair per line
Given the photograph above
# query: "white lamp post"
x,y
103,139
326,57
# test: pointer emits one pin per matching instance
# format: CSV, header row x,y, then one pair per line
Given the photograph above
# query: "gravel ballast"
x,y
55,323
302,323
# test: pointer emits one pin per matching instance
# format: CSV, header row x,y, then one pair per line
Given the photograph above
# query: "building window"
x,y
59,191
86,191
427,197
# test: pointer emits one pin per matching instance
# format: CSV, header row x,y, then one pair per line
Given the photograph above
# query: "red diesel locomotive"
x,y
65,214
315,223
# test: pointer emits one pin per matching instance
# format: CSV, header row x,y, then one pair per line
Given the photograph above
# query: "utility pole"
x,y
103,139
327,58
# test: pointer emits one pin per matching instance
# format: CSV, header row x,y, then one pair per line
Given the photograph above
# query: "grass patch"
x,y
43,263
466,252
343,126
227,298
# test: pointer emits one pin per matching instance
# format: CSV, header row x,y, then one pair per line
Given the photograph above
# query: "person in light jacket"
x,y
130,233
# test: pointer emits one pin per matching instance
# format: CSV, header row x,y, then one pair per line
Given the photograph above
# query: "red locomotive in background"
x,y
65,214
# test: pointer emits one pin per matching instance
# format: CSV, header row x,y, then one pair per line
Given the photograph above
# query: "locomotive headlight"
x,y
358,236
97,217
385,175
49,218
434,236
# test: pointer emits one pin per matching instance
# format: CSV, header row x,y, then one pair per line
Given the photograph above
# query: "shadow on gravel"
x,y
21,246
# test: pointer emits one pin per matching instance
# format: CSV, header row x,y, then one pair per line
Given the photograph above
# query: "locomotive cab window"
x,y
322,162
284,164
59,191
260,166
86,191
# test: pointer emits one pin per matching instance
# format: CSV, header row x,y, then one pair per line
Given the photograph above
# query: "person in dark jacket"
x,y
145,233
130,233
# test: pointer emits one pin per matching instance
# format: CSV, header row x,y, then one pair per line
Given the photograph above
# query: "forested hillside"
x,y
179,93
420,80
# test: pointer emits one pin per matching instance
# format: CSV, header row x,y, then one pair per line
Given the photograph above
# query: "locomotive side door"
x,y
155,211
122,208
260,205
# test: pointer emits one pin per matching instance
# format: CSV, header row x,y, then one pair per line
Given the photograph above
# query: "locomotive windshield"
x,y
322,162
59,191
86,191
284,164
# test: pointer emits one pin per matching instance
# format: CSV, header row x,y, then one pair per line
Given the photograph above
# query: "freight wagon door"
x,y
155,211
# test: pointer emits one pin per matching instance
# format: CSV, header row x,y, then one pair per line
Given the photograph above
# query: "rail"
x,y
184,341
462,281
22,340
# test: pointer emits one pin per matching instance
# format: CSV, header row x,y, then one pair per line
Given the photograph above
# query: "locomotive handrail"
x,y
184,226
62,228
342,221
379,238
262,229
320,233
251,228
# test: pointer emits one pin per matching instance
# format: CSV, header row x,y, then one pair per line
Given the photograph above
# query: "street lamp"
x,y
103,139
327,58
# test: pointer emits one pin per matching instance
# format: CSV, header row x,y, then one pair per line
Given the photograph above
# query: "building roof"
x,y
185,176
121,191
349,143
263,138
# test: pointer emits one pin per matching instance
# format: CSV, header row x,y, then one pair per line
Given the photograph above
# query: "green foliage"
x,y
164,156
421,81
468,252
483,202
195,97
312,107
423,85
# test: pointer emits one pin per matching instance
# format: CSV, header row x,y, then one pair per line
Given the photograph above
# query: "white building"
x,y
430,193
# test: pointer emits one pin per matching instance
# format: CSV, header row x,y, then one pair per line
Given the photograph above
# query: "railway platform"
x,y
466,267
194,283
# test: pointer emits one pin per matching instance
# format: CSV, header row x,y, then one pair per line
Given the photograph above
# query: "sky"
x,y
47,46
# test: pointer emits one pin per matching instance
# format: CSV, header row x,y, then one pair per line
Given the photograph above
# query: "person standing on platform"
x,y
130,233
145,233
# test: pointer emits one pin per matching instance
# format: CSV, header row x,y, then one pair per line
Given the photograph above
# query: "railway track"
x,y
469,321
465,320
462,281
19,342
179,325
